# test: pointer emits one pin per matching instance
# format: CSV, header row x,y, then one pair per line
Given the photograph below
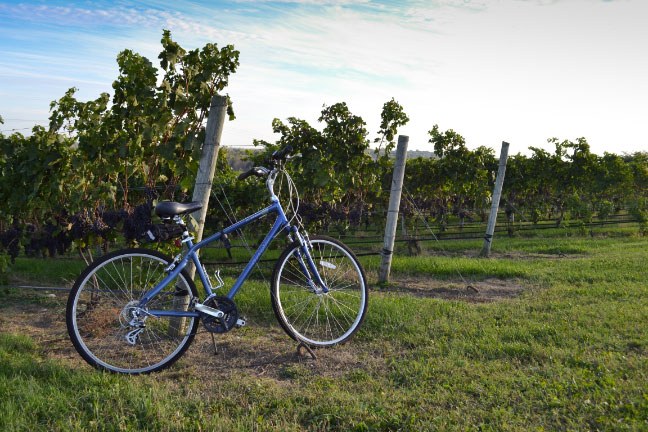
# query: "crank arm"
x,y
209,311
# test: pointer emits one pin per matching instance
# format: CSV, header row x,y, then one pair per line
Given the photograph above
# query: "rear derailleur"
x,y
133,316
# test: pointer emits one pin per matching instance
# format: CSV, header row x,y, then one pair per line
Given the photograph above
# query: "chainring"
x,y
227,322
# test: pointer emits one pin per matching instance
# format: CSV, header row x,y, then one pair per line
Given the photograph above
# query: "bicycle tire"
x,y
315,318
98,306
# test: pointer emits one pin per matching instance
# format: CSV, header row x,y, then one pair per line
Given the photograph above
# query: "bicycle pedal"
x,y
240,322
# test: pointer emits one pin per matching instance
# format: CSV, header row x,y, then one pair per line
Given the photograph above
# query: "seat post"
x,y
186,237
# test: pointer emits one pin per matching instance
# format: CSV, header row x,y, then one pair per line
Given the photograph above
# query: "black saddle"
x,y
168,209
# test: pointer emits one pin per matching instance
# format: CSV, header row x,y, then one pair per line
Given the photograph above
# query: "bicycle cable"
x,y
232,220
293,202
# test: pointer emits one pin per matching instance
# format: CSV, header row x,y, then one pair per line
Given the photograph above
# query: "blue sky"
x,y
515,70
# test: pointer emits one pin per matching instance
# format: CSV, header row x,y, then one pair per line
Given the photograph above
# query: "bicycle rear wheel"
x,y
101,308
306,312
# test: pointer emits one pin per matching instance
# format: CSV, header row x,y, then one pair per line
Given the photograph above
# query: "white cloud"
x,y
504,69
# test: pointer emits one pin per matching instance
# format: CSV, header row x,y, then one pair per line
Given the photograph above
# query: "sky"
x,y
520,71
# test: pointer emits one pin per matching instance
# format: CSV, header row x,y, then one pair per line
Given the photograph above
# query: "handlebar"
x,y
255,171
276,163
282,154
277,156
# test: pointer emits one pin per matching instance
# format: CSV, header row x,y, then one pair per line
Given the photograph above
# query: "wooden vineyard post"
x,y
392,212
208,159
202,191
497,193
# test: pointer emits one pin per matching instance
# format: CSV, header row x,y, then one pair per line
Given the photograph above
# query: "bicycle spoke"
x,y
319,316
99,314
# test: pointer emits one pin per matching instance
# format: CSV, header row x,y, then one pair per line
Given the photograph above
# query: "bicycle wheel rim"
x,y
321,319
98,314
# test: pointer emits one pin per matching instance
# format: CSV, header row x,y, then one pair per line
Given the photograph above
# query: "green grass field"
x,y
570,352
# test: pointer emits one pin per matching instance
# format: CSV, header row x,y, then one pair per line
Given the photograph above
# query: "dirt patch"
x,y
512,255
260,350
516,255
44,324
488,290
271,355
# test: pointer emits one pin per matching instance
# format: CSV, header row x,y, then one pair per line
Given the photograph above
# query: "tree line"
x,y
93,174
569,183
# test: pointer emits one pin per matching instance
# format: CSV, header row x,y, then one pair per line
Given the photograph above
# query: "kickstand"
x,y
303,349
214,343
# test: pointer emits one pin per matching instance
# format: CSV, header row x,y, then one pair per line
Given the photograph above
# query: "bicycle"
x,y
137,310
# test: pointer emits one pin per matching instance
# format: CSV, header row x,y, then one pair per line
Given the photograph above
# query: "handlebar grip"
x,y
246,174
254,171
281,154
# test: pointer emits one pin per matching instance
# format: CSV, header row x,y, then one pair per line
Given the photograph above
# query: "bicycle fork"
x,y
309,267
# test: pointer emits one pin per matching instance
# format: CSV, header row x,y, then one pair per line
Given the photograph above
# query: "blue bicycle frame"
x,y
280,224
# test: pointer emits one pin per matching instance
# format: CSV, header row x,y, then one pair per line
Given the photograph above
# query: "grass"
x,y
50,272
571,353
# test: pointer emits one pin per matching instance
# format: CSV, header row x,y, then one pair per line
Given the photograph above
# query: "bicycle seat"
x,y
168,209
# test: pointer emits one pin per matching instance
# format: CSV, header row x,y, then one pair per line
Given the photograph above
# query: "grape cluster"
x,y
324,214
137,221
112,218
10,241
84,225
57,235
48,240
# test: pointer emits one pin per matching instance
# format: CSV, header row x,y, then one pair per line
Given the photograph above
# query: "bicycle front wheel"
x,y
108,329
315,315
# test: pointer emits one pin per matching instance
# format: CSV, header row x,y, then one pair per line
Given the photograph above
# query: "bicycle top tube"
x,y
281,223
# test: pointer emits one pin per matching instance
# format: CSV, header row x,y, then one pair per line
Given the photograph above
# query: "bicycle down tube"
x,y
281,223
